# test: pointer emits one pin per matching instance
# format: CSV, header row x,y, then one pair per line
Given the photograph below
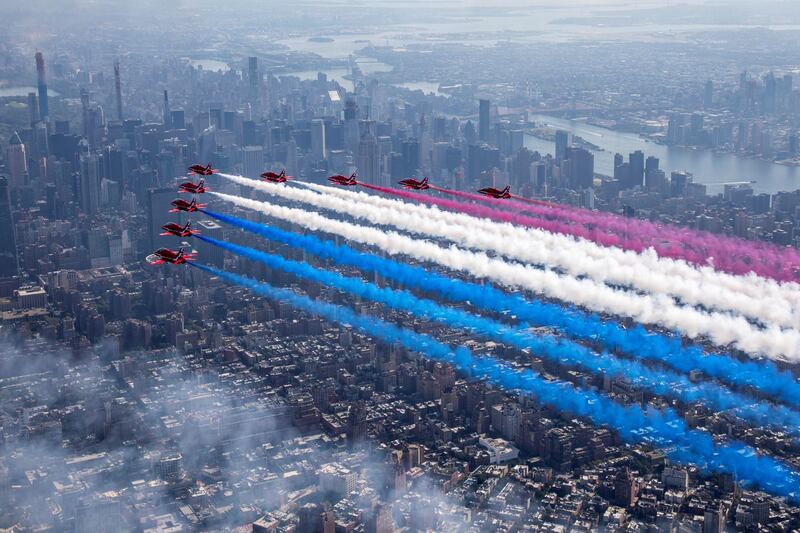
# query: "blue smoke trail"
x,y
562,351
656,428
764,376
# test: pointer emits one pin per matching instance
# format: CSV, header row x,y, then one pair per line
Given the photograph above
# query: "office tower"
x,y
44,110
254,80
177,119
368,161
678,182
318,149
652,163
158,206
33,108
563,141
9,265
581,167
484,125
481,158
636,171
17,162
89,198
351,133
410,152
215,116
118,90
252,161
208,253
167,114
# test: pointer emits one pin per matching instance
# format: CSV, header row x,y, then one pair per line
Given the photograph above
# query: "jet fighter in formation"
x,y
273,177
339,179
491,192
193,188
417,185
179,204
179,231
165,255
201,170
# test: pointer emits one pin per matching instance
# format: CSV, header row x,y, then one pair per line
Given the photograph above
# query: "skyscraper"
x,y
410,152
89,199
254,80
368,161
118,90
636,173
483,120
581,167
17,162
9,265
33,108
44,110
351,134
167,113
252,161
563,141
318,146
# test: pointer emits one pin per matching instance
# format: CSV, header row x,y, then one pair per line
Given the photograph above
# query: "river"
x,y
710,168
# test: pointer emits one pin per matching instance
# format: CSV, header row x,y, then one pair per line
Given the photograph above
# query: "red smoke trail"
x,y
701,248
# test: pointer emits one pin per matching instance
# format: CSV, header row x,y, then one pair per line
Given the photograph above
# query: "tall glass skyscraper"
x,y
9,265
44,111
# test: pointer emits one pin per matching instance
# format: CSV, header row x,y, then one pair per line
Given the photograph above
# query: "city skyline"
x,y
400,266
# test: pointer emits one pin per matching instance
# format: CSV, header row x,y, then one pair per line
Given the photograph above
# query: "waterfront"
x,y
713,169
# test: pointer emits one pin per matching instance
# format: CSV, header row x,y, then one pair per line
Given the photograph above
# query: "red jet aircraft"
x,y
411,183
165,255
272,177
201,170
193,188
178,230
180,204
495,193
338,179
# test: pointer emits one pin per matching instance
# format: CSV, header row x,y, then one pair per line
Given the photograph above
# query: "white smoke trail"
x,y
576,257
719,328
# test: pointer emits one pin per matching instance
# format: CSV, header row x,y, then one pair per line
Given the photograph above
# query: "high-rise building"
x,y
581,167
563,141
351,132
9,265
89,198
318,147
33,108
252,161
678,183
410,152
167,114
254,79
484,120
17,162
636,171
368,160
118,90
44,109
